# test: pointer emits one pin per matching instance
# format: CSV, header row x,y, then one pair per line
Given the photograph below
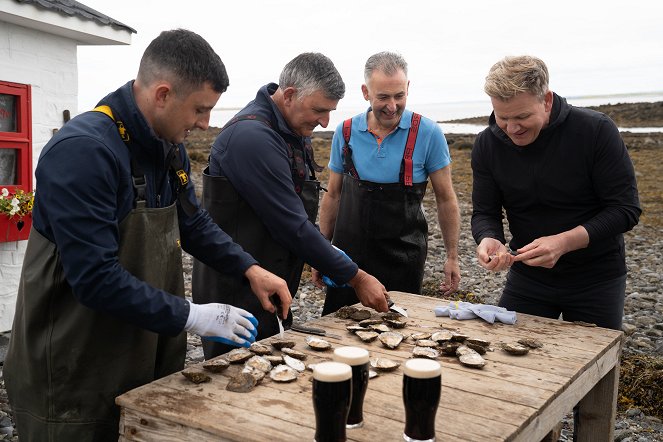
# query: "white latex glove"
x,y
222,323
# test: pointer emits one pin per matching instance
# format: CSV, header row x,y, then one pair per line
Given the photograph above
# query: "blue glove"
x,y
327,280
222,323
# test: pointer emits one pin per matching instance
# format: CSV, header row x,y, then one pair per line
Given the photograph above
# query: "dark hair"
x,y
310,72
185,59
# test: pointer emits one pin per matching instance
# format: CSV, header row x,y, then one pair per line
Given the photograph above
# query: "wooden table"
x,y
512,398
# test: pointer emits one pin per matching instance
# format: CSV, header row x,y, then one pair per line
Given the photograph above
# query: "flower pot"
x,y
15,229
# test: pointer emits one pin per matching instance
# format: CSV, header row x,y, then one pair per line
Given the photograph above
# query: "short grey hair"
x,y
310,72
516,74
387,62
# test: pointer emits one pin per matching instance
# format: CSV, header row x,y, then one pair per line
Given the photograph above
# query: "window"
x,y
15,136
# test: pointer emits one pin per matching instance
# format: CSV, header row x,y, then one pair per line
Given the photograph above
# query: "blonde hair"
x,y
514,75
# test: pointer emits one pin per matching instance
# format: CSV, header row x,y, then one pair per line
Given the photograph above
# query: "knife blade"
x,y
313,331
396,309
276,301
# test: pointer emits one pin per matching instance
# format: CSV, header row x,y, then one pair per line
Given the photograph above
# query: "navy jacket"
x,y
577,172
84,191
254,158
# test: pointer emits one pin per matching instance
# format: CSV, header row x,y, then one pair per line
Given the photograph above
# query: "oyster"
x,y
396,323
388,316
478,348
317,344
531,342
425,352
384,364
449,348
283,373
515,349
458,337
216,365
280,344
238,355
355,328
197,377
370,321
256,373
441,336
463,350
345,312
360,315
260,349
259,363
274,359
472,359
367,336
293,353
477,341
420,335
294,363
242,383
391,339
426,343
380,328
372,374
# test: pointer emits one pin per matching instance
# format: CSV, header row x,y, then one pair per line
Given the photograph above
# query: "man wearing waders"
x,y
101,306
261,189
379,167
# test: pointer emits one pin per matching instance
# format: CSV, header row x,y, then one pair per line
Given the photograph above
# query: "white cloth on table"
x,y
466,310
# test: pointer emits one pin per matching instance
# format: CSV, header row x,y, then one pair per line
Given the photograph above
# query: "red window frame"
x,y
21,139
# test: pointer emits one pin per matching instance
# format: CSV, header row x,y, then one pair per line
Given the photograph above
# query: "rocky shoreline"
x,y
643,311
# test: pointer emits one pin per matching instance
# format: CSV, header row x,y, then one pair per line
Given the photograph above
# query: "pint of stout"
x,y
332,393
422,382
357,358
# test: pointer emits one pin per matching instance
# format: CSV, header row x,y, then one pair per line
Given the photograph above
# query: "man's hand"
x,y
316,278
222,323
370,291
493,255
546,251
265,284
451,277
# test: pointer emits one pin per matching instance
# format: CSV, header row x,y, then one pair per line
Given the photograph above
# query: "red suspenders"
x,y
406,164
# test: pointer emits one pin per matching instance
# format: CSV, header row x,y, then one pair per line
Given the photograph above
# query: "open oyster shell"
x,y
283,373
391,339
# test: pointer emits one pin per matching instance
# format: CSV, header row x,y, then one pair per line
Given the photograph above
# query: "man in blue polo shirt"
x,y
379,166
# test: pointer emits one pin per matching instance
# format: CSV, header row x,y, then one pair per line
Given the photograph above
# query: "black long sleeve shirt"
x,y
577,172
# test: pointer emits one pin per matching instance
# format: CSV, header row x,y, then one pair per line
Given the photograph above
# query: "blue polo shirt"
x,y
381,163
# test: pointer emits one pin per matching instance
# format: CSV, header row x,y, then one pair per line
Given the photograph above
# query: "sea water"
x,y
463,109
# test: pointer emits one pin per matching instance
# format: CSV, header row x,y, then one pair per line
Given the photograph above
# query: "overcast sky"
x,y
592,47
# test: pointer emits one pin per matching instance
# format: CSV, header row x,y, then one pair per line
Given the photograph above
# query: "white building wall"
x,y
48,63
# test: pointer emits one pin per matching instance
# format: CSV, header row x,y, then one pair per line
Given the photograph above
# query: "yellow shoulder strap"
x,y
105,110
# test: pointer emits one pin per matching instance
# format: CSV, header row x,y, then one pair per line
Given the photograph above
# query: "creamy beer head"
x,y
422,368
332,372
351,355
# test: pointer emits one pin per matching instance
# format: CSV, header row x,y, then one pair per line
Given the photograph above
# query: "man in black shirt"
x,y
564,178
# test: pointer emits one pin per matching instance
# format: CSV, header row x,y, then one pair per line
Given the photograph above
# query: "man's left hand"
x,y
265,284
451,277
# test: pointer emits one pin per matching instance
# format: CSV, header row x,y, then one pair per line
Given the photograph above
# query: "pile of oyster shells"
x,y
259,360
285,366
469,350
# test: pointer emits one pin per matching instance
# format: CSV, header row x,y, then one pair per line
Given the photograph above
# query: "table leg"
x,y
597,410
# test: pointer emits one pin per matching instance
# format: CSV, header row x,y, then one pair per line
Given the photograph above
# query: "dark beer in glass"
x,y
332,394
422,382
357,358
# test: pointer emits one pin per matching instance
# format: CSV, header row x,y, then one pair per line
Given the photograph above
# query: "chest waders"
x,y
381,226
236,217
78,359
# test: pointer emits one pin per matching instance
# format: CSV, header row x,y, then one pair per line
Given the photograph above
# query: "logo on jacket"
x,y
184,178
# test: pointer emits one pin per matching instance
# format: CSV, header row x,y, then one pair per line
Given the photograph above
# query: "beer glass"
x,y
357,358
422,382
332,394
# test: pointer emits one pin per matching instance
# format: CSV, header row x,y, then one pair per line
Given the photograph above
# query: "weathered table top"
x,y
511,398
